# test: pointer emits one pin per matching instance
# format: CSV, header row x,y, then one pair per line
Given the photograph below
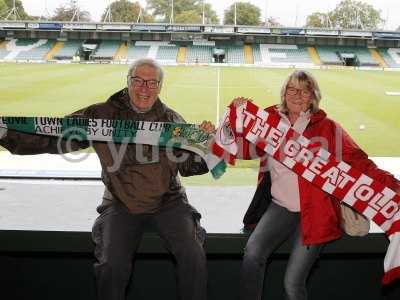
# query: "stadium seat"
x,y
199,54
135,52
280,54
3,53
391,56
70,49
257,54
106,50
25,42
331,55
167,53
234,54
28,49
328,56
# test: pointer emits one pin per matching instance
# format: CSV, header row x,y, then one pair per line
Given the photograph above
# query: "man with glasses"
x,y
144,188
150,193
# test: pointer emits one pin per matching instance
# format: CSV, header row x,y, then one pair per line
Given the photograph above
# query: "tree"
x,y
210,16
3,9
185,11
348,14
188,17
356,14
318,19
20,8
162,8
246,14
126,11
69,11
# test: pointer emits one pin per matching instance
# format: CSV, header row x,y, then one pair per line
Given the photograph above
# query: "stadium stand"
x,y
328,56
257,54
56,48
199,54
234,54
167,53
274,54
282,54
181,55
344,55
248,54
137,51
3,53
151,49
27,49
391,56
71,48
25,42
277,47
121,52
377,56
365,57
3,49
106,50
314,56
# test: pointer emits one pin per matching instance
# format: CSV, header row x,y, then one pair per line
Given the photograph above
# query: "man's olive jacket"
x,y
145,178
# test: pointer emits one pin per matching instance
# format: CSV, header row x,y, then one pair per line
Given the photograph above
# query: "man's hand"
x,y
240,100
3,132
207,127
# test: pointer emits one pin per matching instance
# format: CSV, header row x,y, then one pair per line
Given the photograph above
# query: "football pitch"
x,y
352,98
356,99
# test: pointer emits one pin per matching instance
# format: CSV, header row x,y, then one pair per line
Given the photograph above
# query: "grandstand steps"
x,y
265,58
375,55
181,57
314,56
153,51
248,54
57,47
122,51
27,49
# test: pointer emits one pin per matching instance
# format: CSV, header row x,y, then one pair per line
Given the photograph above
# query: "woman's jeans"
x,y
277,225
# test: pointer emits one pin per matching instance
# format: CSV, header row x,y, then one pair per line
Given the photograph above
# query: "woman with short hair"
x,y
298,209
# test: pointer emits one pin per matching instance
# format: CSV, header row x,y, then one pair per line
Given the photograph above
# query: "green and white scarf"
x,y
174,135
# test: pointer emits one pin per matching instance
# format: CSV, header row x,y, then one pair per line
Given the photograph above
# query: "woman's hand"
x,y
240,100
207,127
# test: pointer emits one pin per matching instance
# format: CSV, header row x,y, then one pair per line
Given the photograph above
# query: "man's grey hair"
x,y
309,81
146,62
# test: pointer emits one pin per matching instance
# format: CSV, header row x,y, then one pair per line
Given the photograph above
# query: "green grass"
x,y
350,97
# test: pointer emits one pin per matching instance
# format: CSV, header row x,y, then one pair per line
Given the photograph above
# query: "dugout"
x,y
349,59
219,55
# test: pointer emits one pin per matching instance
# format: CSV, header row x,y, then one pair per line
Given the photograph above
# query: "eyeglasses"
x,y
139,82
304,94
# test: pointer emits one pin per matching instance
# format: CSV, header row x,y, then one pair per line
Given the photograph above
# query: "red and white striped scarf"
x,y
276,138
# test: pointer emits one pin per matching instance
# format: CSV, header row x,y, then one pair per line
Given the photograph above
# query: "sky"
x,y
287,12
